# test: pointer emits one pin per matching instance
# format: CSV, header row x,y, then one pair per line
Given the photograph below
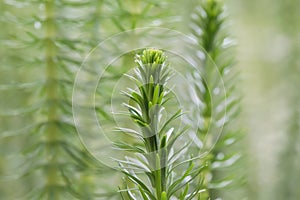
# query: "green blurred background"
x,y
36,34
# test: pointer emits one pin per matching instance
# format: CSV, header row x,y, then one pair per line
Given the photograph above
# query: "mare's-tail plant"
x,y
216,109
157,169
120,16
47,51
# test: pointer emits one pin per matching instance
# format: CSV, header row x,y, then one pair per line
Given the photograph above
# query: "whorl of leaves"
x,y
44,50
208,26
157,169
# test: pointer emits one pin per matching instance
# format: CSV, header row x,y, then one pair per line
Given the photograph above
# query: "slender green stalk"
x,y
3,159
51,89
154,73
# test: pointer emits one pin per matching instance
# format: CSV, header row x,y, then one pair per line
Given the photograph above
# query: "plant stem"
x,y
208,21
151,70
51,90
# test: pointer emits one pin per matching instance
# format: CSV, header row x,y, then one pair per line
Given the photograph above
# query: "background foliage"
x,y
43,43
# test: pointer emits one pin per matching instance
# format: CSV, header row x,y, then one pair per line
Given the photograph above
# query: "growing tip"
x,y
152,56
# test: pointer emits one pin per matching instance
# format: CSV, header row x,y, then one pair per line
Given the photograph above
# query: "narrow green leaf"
x,y
140,183
173,117
161,96
184,193
163,142
178,181
127,147
145,197
155,95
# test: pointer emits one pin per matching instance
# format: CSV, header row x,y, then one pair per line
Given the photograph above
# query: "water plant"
x,y
168,170
216,98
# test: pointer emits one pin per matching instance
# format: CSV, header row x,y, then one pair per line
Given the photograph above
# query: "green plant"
x,y
218,108
44,45
155,154
288,160
46,52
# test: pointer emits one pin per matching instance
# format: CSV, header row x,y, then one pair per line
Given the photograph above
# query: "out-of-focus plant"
x,y
47,44
289,162
213,110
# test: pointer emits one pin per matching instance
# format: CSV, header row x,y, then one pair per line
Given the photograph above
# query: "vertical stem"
x,y
51,95
158,177
210,22
151,62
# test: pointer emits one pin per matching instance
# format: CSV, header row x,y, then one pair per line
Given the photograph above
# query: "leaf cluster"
x,y
158,169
